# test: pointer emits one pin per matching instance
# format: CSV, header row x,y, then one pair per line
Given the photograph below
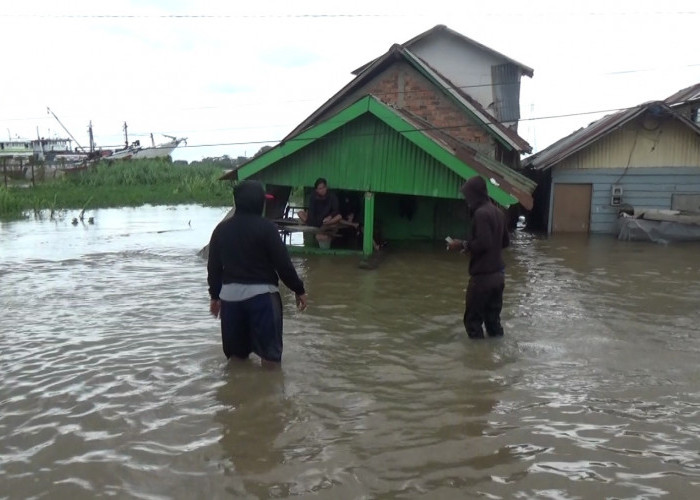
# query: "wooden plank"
x,y
295,226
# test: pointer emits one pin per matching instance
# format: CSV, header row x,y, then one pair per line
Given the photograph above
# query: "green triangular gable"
x,y
413,163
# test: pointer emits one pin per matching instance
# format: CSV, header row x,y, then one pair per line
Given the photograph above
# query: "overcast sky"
x,y
243,75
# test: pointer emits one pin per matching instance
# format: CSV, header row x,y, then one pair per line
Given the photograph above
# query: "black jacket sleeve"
x,y
283,264
215,268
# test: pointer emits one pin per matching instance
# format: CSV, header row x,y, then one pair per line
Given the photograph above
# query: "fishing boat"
x,y
39,148
138,152
19,151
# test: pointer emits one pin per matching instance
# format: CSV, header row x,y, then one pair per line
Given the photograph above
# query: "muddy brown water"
x,y
113,383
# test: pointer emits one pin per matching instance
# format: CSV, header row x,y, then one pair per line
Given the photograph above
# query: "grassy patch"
x,y
11,206
120,184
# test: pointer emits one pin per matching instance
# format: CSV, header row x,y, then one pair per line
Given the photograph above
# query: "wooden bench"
x,y
290,224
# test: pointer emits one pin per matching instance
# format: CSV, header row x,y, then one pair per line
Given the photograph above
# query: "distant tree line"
x,y
225,161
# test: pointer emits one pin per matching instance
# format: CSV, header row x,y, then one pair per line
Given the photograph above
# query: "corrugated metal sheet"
x,y
366,155
686,102
685,95
578,140
334,145
634,146
585,137
505,135
647,188
440,29
515,183
506,92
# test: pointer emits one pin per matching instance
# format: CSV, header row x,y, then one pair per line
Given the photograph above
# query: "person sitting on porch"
x,y
350,231
323,211
349,209
352,219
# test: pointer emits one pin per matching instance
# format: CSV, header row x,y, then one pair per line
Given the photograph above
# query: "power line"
x,y
387,93
490,122
417,129
567,115
346,15
393,92
194,16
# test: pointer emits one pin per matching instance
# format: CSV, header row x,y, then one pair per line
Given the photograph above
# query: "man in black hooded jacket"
x,y
246,257
489,235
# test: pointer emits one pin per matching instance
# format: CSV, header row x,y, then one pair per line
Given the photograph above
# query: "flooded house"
x,y
402,136
642,162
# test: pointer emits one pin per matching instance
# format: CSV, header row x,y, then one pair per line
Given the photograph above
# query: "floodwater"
x,y
113,383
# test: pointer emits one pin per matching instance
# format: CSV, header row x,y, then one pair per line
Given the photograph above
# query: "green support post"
x,y
368,236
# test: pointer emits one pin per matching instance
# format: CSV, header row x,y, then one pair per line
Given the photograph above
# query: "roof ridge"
x,y
585,136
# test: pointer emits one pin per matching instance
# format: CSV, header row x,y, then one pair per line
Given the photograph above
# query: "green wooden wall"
x,y
366,155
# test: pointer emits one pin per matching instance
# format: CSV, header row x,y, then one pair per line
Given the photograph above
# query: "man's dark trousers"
x,y
483,304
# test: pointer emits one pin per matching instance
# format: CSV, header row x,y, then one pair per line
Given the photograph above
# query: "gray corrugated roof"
x,y
584,137
685,95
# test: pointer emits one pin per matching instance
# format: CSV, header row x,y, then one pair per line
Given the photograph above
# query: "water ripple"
x,y
114,384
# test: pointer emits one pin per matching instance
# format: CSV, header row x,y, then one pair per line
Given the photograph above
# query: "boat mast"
x,y
92,139
64,128
40,153
126,137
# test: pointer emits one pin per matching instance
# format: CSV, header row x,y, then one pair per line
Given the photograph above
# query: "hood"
x,y
249,197
475,192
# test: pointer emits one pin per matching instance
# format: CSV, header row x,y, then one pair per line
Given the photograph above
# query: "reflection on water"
x,y
253,413
113,381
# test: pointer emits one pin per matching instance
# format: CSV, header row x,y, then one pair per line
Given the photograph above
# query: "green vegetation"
x,y
10,205
119,184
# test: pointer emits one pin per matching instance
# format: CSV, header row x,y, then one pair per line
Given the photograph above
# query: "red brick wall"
x,y
404,87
